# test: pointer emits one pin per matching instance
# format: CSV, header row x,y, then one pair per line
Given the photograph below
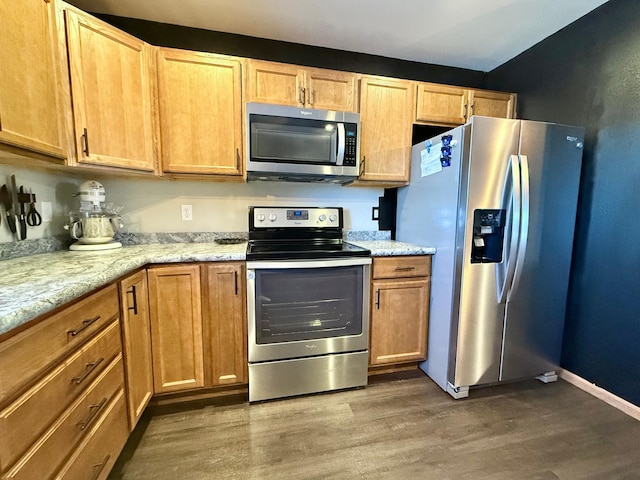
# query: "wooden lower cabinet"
x,y
399,309
95,456
136,343
225,327
58,378
176,327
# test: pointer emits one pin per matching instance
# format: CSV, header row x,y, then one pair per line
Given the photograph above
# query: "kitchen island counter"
x,y
37,284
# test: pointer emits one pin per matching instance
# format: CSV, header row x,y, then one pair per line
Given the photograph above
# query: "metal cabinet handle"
x,y
85,324
404,269
100,467
235,282
302,95
89,367
85,142
135,300
362,165
378,299
312,97
93,414
237,158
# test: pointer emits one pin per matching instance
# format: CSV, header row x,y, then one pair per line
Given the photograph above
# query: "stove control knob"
x,y
260,217
322,217
272,217
332,218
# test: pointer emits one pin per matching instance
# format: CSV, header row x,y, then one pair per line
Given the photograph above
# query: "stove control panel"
x,y
295,217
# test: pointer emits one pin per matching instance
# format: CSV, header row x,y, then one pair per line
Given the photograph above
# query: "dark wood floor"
x,y
399,427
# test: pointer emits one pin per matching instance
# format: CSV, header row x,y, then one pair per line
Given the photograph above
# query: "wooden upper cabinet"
x,y
136,340
330,90
448,105
387,109
284,84
176,327
441,104
200,100
111,92
31,115
279,83
225,323
492,104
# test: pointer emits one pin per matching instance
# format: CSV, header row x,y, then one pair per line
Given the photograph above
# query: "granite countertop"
x,y
36,284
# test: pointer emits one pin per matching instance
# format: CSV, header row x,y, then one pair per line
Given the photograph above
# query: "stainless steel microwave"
x,y
301,145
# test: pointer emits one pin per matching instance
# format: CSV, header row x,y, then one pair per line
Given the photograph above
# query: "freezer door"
x,y
535,308
477,327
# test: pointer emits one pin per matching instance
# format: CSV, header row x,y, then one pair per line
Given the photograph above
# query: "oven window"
x,y
307,304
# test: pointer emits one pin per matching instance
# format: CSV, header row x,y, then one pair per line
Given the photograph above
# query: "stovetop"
x,y
292,233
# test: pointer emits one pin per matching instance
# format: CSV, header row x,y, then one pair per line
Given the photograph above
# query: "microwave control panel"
x,y
350,147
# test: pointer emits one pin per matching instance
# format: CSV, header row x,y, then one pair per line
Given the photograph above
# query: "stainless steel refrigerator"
x,y
497,198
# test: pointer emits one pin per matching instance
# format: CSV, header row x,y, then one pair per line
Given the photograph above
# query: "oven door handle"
x,y
288,264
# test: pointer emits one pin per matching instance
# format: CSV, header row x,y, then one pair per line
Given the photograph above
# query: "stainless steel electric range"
x,y
307,303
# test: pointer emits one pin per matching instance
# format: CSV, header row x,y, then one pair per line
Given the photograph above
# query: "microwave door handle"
x,y
341,143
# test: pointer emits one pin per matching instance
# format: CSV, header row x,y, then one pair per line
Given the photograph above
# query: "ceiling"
x,y
479,35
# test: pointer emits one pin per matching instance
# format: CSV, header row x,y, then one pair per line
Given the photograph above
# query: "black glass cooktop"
x,y
296,250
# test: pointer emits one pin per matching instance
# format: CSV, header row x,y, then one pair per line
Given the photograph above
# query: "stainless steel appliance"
x,y
497,198
301,144
307,303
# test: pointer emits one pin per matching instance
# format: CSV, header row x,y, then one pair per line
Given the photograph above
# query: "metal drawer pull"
x,y
404,269
378,299
93,414
135,300
90,367
85,324
100,467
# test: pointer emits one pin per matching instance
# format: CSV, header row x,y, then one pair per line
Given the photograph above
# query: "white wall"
x,y
154,205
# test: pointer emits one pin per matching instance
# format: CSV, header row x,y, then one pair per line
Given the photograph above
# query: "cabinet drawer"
x,y
399,267
22,422
95,457
27,354
49,452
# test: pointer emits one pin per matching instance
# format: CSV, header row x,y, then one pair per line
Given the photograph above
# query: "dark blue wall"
x,y
589,74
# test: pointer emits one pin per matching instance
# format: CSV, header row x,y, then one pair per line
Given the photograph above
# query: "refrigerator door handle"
x,y
511,203
524,225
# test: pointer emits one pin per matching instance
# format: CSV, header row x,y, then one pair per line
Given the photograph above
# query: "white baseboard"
x,y
598,392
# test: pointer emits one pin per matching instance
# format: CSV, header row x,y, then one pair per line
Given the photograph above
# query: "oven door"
x,y
307,308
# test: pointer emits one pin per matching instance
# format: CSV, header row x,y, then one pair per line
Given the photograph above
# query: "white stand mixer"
x,y
93,225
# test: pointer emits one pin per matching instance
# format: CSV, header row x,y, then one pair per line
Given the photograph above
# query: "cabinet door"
x,y
225,323
136,339
279,83
399,319
111,94
492,104
387,114
30,108
441,104
176,328
330,90
200,112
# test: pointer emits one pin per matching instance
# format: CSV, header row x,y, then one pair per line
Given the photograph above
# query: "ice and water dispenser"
x,y
488,236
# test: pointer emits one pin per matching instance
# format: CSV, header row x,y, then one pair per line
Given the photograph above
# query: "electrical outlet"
x,y
47,214
187,213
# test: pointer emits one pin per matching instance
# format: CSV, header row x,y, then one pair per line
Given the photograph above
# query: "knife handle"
x,y
23,227
11,222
